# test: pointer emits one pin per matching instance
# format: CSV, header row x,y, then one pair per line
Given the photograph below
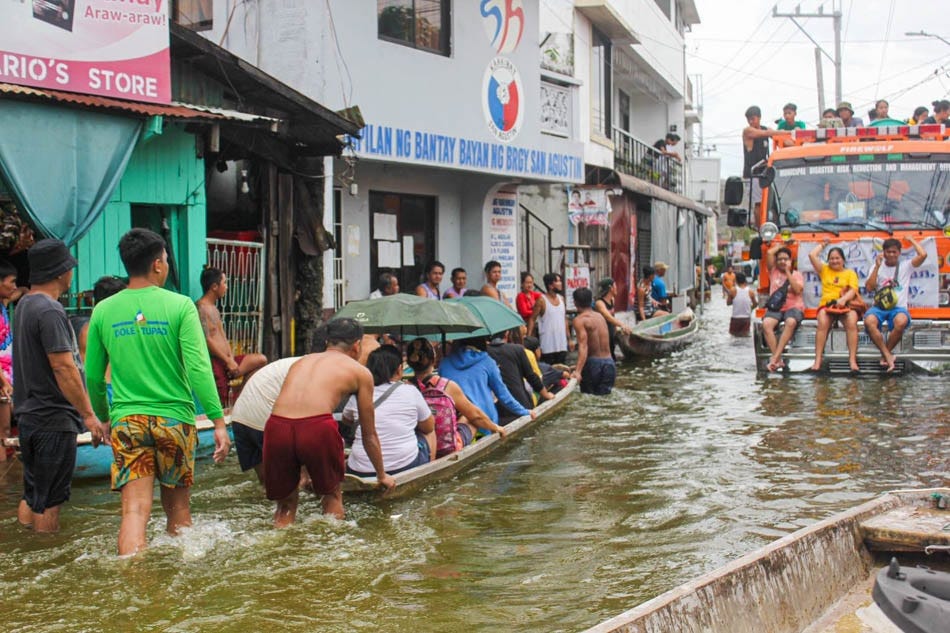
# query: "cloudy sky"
x,y
745,56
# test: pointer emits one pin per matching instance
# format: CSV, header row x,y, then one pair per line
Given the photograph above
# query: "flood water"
x,y
692,462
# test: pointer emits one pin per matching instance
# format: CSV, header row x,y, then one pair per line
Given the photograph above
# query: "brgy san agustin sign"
x,y
112,48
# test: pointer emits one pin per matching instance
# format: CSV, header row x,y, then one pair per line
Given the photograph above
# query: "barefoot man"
x,y
595,369
226,366
301,430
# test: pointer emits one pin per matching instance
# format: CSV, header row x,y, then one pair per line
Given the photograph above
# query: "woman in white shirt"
x,y
404,421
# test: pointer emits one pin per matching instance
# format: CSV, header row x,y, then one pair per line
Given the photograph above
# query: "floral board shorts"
x,y
150,445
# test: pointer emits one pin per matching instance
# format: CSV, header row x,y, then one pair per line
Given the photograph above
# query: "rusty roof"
x,y
171,111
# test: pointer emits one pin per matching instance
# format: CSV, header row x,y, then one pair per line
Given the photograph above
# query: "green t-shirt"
x,y
783,125
152,339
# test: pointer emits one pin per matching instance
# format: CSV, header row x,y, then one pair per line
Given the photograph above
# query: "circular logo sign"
x,y
501,99
504,23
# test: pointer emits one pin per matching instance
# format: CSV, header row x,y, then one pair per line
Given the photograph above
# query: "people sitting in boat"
x,y
554,379
516,371
596,370
456,428
470,366
647,306
528,296
742,299
782,278
404,422
888,273
658,289
458,289
839,285
429,288
606,295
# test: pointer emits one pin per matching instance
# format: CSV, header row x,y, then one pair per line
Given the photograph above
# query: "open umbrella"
x,y
409,315
493,315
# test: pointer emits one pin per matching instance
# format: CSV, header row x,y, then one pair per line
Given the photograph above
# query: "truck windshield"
x,y
856,193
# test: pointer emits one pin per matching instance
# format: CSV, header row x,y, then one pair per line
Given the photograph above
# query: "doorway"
x,y
166,221
402,236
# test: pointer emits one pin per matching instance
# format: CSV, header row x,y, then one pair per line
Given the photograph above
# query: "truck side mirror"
x,y
766,177
755,248
734,191
737,218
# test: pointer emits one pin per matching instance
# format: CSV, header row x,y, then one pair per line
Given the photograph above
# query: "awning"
x,y
652,191
178,111
312,129
606,19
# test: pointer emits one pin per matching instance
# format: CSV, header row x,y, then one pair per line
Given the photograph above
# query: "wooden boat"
x,y
816,580
94,463
413,480
659,335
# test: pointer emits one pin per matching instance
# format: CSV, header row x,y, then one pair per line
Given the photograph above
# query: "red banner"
x,y
113,48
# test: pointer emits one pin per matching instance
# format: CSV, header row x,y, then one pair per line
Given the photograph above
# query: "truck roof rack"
x,y
929,131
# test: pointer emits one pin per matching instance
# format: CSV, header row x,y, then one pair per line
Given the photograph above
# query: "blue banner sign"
x,y
380,141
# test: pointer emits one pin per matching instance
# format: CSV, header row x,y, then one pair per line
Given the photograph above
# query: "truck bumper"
x,y
924,347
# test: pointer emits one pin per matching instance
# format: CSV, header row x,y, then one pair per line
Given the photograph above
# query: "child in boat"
x,y
554,379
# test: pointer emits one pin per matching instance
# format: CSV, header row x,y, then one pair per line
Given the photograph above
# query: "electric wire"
x,y
887,33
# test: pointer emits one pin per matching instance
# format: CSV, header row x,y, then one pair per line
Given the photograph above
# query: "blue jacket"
x,y
478,376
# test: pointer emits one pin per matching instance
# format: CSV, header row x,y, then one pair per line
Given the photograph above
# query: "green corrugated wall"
x,y
164,172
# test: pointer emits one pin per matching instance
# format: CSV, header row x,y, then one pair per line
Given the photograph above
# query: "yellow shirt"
x,y
833,284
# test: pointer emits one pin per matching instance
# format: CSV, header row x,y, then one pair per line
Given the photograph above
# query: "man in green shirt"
x,y
153,341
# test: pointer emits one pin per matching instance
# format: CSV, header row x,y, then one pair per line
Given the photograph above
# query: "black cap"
x,y
49,259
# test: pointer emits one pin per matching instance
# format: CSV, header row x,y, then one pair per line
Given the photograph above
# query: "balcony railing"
x,y
635,158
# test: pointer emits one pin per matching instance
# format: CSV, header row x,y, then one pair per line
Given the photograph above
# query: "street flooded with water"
x,y
693,461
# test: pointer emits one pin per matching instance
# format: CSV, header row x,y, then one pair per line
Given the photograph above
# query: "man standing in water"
x,y
595,369
48,392
225,365
301,430
152,340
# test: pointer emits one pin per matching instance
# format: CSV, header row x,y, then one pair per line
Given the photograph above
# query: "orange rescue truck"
x,y
858,187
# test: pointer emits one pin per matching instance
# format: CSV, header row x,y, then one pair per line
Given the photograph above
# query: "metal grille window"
x,y
242,307
422,24
339,272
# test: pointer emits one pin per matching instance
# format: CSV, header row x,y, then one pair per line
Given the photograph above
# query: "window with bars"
x,y
422,24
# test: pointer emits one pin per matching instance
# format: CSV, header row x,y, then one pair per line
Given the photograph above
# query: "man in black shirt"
x,y
755,147
512,360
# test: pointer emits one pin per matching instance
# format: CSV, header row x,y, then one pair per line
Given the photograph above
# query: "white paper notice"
x,y
388,255
353,240
384,226
408,255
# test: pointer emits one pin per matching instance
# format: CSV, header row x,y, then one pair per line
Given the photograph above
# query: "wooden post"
x,y
286,270
272,312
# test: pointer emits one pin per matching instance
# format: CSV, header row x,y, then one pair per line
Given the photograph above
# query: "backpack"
x,y
447,438
777,299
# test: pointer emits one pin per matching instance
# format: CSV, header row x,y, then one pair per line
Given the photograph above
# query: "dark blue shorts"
x,y
422,457
49,458
598,376
249,444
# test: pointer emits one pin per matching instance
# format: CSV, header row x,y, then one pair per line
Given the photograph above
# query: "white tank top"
x,y
551,327
741,304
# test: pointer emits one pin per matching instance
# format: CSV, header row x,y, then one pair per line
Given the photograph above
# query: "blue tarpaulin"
x,y
63,164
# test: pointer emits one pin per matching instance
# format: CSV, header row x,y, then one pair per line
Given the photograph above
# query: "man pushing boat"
x,y
301,430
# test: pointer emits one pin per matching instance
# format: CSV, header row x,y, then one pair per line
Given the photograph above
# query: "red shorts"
x,y
290,443
221,380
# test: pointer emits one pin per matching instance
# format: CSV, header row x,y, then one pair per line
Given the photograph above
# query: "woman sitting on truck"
x,y
839,285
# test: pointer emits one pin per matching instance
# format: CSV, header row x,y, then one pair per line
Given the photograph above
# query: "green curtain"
x,y
63,164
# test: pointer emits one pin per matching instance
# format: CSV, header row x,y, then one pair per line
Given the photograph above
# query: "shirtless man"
x,y
225,365
301,430
595,369
492,277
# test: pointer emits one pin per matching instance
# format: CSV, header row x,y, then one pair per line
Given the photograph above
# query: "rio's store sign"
x,y
112,48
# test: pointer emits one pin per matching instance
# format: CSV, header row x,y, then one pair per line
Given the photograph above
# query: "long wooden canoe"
x,y
657,336
816,580
413,480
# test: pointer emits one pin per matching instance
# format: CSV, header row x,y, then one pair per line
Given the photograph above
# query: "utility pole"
x,y
835,15
821,83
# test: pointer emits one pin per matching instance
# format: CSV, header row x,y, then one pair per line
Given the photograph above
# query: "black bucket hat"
x,y
49,258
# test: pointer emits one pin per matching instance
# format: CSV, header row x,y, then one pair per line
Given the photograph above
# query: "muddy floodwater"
x,y
692,462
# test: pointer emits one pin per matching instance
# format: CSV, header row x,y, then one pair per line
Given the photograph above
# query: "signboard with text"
x,y
503,239
112,48
575,276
